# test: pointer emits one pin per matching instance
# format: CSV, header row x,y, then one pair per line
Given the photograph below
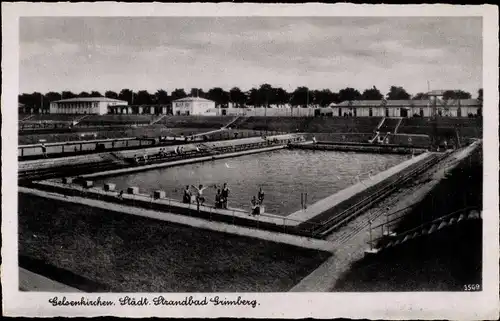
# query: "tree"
x,y
143,98
480,94
349,94
38,101
266,95
282,97
322,97
95,94
111,94
218,95
372,94
178,94
84,94
397,93
301,97
52,96
127,95
456,94
253,97
421,96
161,97
68,95
237,96
197,92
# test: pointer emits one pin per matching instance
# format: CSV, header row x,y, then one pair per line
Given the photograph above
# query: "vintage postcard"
x,y
250,160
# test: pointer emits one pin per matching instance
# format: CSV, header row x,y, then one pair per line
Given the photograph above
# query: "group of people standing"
x,y
257,202
221,197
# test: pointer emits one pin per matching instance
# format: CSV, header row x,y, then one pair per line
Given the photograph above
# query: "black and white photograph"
x,y
207,161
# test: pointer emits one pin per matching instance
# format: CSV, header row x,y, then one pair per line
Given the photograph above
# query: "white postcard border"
x,y
463,306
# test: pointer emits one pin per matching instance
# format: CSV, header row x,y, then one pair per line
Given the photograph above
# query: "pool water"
x,y
284,175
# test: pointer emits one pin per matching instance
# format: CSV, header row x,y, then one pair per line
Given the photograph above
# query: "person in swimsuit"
x,y
218,199
199,195
224,195
260,196
186,198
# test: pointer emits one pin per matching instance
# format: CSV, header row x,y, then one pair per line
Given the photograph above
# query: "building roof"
x,y
437,92
89,99
193,99
407,103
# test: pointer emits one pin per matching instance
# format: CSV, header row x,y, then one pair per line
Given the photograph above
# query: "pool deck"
x,y
29,281
169,202
345,194
295,219
295,240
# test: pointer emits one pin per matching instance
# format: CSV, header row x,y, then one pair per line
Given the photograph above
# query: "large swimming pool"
x,y
285,176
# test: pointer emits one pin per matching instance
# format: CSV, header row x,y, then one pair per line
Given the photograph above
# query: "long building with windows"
x,y
87,105
408,108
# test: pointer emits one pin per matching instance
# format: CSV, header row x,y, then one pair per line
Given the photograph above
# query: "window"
x,y
370,112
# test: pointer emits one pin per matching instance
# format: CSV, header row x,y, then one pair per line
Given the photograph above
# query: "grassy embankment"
x,y
121,252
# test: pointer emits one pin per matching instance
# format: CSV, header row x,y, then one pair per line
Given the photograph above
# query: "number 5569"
x,y
472,287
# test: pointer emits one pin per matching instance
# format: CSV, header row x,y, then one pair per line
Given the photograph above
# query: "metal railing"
x,y
348,214
232,216
64,149
420,227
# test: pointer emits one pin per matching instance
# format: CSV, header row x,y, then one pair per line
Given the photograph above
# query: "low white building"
x,y
407,108
193,106
87,105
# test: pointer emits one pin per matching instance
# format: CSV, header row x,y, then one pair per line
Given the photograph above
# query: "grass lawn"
x,y
126,253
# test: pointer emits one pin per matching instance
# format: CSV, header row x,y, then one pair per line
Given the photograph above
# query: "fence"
x,y
386,231
236,217
72,148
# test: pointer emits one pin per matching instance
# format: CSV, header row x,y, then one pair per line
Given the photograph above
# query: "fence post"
x,y
371,244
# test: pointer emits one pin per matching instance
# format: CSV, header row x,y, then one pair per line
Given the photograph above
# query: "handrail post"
x,y
371,240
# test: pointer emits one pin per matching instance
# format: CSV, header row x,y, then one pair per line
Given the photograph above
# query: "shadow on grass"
x,y
61,275
127,253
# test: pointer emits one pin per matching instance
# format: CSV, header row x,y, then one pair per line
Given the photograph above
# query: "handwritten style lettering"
x,y
188,301
217,301
133,302
55,301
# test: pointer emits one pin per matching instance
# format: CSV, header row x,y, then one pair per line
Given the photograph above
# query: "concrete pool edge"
x,y
290,224
144,168
295,240
314,282
351,191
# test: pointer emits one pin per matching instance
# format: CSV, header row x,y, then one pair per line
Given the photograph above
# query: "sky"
x,y
151,53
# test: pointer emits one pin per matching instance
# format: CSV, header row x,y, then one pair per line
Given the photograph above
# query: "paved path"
x,y
29,281
299,241
352,248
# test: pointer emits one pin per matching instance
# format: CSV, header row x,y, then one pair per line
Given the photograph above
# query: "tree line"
x,y
264,96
